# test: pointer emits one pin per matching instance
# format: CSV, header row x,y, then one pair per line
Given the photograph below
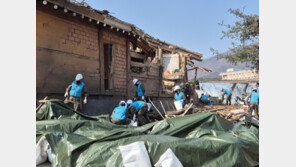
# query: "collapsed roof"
x,y
144,40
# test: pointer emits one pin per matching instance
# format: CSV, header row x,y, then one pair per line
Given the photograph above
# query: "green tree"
x,y
245,35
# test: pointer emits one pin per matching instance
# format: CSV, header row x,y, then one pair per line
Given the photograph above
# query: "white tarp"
x,y
135,155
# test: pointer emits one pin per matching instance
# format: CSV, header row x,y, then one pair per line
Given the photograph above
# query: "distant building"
x,y
247,74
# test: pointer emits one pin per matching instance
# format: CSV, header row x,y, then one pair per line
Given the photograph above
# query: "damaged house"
x,y
75,38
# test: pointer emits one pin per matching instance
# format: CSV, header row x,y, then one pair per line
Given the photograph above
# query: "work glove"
x,y
85,101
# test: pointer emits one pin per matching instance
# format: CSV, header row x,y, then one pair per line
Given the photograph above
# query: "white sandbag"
x,y
168,159
238,111
41,150
134,122
135,155
178,104
149,106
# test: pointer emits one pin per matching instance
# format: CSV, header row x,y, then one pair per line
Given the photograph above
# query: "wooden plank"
x,y
99,59
159,52
136,55
185,72
40,105
169,76
168,83
195,78
101,52
203,69
183,66
192,69
160,80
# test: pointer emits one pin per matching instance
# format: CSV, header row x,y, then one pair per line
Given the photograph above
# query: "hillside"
x,y
216,65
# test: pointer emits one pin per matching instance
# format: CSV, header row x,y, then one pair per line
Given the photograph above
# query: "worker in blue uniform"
x,y
75,92
228,96
140,91
205,100
140,109
179,96
253,99
119,114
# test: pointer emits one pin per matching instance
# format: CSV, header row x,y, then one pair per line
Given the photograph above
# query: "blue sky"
x,y
192,24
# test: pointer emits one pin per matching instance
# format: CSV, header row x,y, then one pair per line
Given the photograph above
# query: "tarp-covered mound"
x,y
202,139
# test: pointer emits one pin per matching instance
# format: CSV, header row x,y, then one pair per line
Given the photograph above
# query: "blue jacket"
x,y
140,91
138,105
254,97
179,97
76,91
228,92
204,97
119,112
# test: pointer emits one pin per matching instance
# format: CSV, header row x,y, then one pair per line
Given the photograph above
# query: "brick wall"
x,y
150,79
119,58
81,35
65,47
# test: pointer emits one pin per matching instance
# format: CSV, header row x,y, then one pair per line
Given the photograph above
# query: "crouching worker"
x,y
228,96
205,100
179,96
119,114
139,108
74,92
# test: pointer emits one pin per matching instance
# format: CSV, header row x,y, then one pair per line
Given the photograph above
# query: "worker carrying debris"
x,y
74,92
228,96
140,109
140,91
179,96
119,114
187,92
254,103
205,100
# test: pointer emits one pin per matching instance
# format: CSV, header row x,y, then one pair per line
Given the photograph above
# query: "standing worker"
x,y
74,93
187,92
119,114
197,85
228,96
139,108
179,96
140,91
254,103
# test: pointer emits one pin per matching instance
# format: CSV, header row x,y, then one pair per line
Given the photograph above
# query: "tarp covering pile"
x,y
202,139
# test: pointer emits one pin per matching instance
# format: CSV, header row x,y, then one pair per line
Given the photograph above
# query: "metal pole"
x,y
163,108
188,109
156,109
